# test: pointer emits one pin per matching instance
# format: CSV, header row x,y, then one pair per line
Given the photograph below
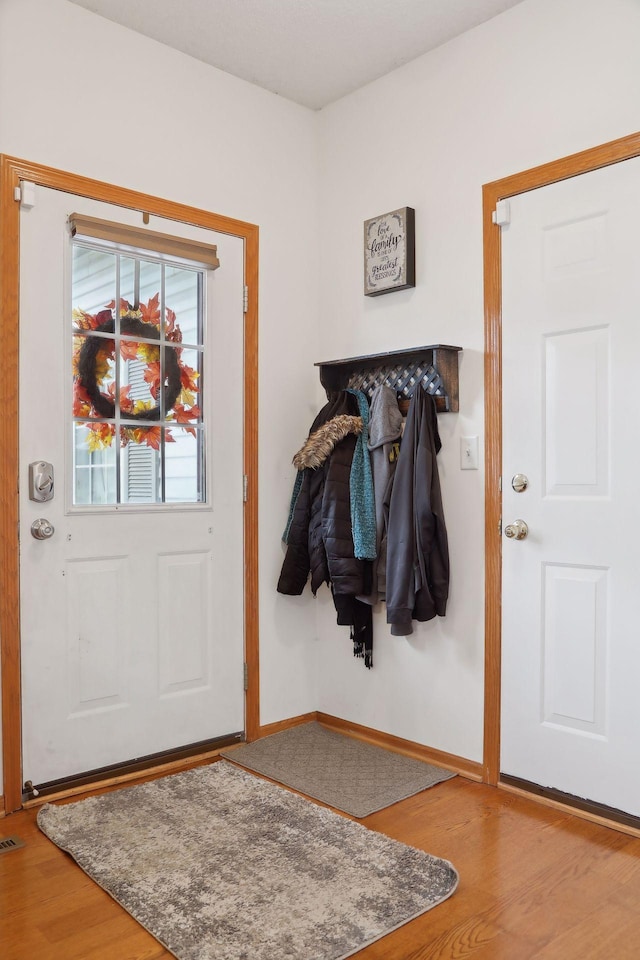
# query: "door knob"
x,y
42,529
517,530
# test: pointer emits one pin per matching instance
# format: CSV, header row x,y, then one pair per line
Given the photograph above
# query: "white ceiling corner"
x,y
310,51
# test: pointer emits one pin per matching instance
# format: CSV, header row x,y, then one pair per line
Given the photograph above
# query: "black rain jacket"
x,y
417,549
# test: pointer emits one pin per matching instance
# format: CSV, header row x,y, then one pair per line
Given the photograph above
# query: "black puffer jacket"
x,y
319,536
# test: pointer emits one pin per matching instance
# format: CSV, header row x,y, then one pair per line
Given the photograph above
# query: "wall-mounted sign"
x,y
389,252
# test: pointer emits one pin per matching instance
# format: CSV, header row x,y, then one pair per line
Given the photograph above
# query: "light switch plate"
x,y
468,453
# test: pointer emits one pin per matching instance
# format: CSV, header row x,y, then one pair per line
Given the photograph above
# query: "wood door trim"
x,y
9,502
584,162
12,170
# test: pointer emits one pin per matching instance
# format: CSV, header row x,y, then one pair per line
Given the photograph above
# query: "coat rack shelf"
x,y
434,367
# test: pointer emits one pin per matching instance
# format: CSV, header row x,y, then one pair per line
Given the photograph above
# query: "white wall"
x,y
82,94
543,80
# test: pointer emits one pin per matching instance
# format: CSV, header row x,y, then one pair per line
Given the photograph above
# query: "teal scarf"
x,y
363,510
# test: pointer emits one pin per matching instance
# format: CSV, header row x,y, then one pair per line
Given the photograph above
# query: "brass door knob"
x,y
517,530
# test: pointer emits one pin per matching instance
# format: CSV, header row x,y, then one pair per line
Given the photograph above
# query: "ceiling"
x,y
309,51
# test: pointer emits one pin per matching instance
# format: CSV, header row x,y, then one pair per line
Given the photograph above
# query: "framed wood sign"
x,y
389,252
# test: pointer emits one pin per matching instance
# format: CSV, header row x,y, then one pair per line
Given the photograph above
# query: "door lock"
x,y
518,530
40,481
519,482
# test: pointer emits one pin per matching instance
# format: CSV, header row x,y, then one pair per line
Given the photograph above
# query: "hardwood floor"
x,y
534,883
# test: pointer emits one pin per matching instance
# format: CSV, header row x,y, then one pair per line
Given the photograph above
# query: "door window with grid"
x,y
138,323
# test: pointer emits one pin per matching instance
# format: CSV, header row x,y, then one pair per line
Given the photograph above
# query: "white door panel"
x,y
571,338
131,616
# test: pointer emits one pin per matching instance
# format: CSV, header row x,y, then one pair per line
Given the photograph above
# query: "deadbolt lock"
x,y
519,482
40,481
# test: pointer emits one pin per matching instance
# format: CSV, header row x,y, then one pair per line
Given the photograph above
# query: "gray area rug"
x,y
218,864
350,775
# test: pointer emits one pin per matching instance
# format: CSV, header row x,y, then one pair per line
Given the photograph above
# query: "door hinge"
x,y
500,484
245,676
245,488
245,299
25,194
502,213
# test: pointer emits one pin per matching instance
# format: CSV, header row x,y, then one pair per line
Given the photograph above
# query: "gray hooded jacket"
x,y
385,430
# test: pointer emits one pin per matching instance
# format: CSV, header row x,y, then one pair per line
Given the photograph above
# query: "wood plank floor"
x,y
535,883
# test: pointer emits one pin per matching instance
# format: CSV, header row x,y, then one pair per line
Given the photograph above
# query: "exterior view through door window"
x,y
138,340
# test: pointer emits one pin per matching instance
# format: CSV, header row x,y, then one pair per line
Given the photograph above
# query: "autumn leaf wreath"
x,y
93,358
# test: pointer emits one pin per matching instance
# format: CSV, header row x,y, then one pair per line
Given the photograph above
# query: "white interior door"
x,y
571,599
132,611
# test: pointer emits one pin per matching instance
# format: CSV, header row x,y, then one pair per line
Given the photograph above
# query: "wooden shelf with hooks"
x,y
434,367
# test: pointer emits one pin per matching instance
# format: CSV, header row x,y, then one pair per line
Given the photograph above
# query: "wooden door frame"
x,y
583,162
12,171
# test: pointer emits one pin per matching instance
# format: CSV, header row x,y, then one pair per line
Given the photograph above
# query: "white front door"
x,y
132,611
571,595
